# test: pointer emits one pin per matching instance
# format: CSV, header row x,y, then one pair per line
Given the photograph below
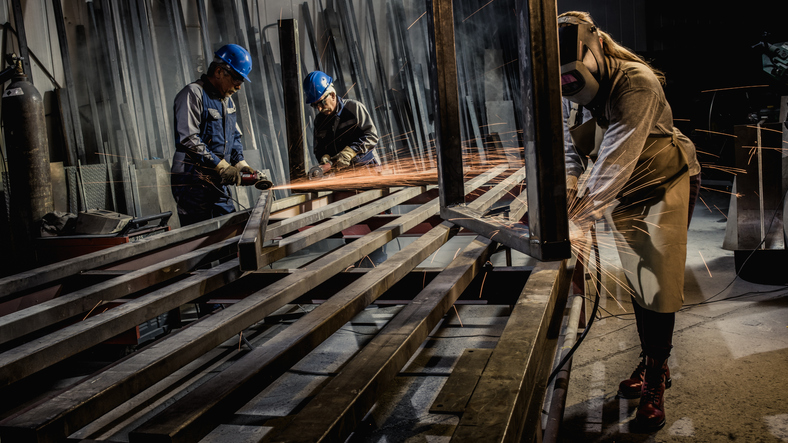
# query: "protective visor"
x,y
579,42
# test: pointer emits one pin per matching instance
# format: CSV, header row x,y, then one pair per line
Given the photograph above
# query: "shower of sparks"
x,y
482,288
414,22
474,13
723,214
735,87
704,263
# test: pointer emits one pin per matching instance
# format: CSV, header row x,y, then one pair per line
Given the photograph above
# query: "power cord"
x,y
598,262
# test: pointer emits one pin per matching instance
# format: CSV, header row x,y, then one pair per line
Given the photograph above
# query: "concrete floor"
x,y
728,362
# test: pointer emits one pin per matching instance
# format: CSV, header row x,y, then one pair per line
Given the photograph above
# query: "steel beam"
x,y
71,410
542,128
506,404
196,414
340,406
11,285
294,98
184,422
250,246
443,72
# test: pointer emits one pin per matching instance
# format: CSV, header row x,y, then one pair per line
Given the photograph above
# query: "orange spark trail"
x,y
458,315
736,87
466,18
411,25
715,132
704,263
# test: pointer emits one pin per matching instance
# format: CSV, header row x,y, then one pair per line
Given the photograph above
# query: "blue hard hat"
x,y
315,85
237,57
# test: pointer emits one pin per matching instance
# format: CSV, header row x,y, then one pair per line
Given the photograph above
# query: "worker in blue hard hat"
x,y
208,151
344,134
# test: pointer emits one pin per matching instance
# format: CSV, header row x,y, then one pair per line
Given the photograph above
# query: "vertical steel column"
x,y
72,113
537,26
294,102
446,102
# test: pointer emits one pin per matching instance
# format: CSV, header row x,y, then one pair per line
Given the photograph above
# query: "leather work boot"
x,y
651,410
632,387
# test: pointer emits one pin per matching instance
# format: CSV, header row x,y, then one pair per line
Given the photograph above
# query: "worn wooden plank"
x,y
195,415
460,385
340,406
25,321
64,414
13,284
489,198
513,384
31,357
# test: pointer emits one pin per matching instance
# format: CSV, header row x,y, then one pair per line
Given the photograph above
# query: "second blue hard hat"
x,y
315,85
237,57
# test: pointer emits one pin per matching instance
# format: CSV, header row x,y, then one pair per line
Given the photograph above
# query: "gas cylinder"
x,y
27,150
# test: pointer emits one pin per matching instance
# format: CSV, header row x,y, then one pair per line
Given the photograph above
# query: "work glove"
x,y
228,173
344,158
571,189
244,167
325,160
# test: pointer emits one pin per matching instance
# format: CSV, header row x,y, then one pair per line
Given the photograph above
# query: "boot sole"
x,y
632,396
642,427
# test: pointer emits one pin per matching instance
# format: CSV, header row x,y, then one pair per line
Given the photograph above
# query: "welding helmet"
x,y
579,42
237,58
315,85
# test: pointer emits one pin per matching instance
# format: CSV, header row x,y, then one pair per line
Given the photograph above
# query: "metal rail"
x,y
343,401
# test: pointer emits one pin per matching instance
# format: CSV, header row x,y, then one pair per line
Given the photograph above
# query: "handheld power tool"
x,y
257,179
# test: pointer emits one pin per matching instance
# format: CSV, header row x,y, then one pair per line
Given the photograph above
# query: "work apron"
x,y
650,219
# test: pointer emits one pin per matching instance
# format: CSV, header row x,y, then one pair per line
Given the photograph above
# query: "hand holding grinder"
x,y
242,175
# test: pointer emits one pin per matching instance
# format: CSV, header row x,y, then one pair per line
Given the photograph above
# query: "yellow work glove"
x,y
326,159
571,188
344,158
244,167
228,173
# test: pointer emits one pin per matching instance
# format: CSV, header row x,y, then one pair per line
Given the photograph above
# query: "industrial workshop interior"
x,y
189,255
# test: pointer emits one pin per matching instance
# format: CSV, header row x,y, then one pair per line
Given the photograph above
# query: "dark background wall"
x,y
702,46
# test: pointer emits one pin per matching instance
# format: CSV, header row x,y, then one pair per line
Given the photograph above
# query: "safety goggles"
x,y
320,103
237,79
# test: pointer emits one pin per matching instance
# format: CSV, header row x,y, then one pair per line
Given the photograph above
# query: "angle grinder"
x,y
256,179
319,171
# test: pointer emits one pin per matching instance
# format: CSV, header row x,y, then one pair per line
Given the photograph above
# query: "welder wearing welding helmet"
x,y
208,151
618,131
344,134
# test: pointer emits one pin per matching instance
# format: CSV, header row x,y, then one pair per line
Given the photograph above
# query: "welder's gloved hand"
x,y
244,167
229,174
571,189
344,158
326,159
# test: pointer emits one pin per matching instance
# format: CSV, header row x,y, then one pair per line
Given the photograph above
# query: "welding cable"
x,y
598,262
240,205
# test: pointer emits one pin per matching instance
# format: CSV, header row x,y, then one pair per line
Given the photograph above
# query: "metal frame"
x,y
547,235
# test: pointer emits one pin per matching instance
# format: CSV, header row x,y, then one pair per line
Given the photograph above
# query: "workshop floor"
x,y
728,362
